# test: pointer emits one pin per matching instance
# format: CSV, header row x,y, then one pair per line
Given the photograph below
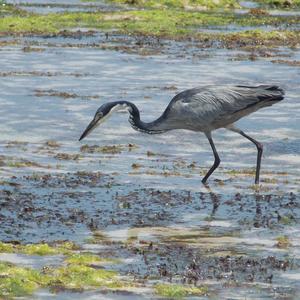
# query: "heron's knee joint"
x,y
217,162
260,147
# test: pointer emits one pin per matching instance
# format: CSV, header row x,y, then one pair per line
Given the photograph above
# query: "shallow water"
x,y
247,5
234,28
56,6
139,198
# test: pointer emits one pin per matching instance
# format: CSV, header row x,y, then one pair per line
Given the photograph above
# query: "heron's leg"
x,y
259,147
217,158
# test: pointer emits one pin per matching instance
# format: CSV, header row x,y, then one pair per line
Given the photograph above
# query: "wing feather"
x,y
217,104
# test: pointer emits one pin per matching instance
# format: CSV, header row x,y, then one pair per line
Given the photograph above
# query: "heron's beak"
x,y
90,127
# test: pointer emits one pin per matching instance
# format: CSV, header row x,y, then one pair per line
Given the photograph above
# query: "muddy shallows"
x,y
146,242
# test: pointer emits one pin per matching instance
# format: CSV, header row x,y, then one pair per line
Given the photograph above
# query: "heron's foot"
x,y
204,181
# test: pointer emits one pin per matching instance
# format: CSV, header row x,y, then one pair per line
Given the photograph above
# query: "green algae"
x,y
179,291
241,172
165,23
17,281
283,242
45,249
88,259
38,249
286,219
258,35
76,273
168,24
81,277
6,248
83,259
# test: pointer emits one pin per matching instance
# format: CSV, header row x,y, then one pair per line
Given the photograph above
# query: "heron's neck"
x,y
154,127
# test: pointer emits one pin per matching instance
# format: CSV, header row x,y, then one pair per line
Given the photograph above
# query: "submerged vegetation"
x,y
38,249
77,272
17,281
80,277
89,259
283,242
179,291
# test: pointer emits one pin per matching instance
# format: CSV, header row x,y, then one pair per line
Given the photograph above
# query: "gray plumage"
x,y
201,109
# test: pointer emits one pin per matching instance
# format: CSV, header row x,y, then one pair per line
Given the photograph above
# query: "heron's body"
x,y
202,109
211,107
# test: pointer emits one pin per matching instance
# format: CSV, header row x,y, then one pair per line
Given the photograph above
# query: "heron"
x,y
201,109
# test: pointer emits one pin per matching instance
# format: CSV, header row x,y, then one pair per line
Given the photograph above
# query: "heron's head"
x,y
102,113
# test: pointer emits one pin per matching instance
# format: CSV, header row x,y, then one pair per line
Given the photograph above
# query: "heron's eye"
x,y
99,114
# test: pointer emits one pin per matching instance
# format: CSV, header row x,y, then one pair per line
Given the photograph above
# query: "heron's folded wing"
x,y
213,103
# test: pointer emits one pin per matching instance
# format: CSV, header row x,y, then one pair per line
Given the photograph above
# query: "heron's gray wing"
x,y
214,103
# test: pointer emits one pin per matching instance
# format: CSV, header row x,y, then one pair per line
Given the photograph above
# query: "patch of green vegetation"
x,y
179,291
256,37
156,22
178,24
77,273
67,245
286,220
241,172
89,259
84,259
81,277
181,4
6,248
283,241
38,249
17,281
31,24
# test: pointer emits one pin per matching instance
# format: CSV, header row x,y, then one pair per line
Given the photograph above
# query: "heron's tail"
x,y
271,93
